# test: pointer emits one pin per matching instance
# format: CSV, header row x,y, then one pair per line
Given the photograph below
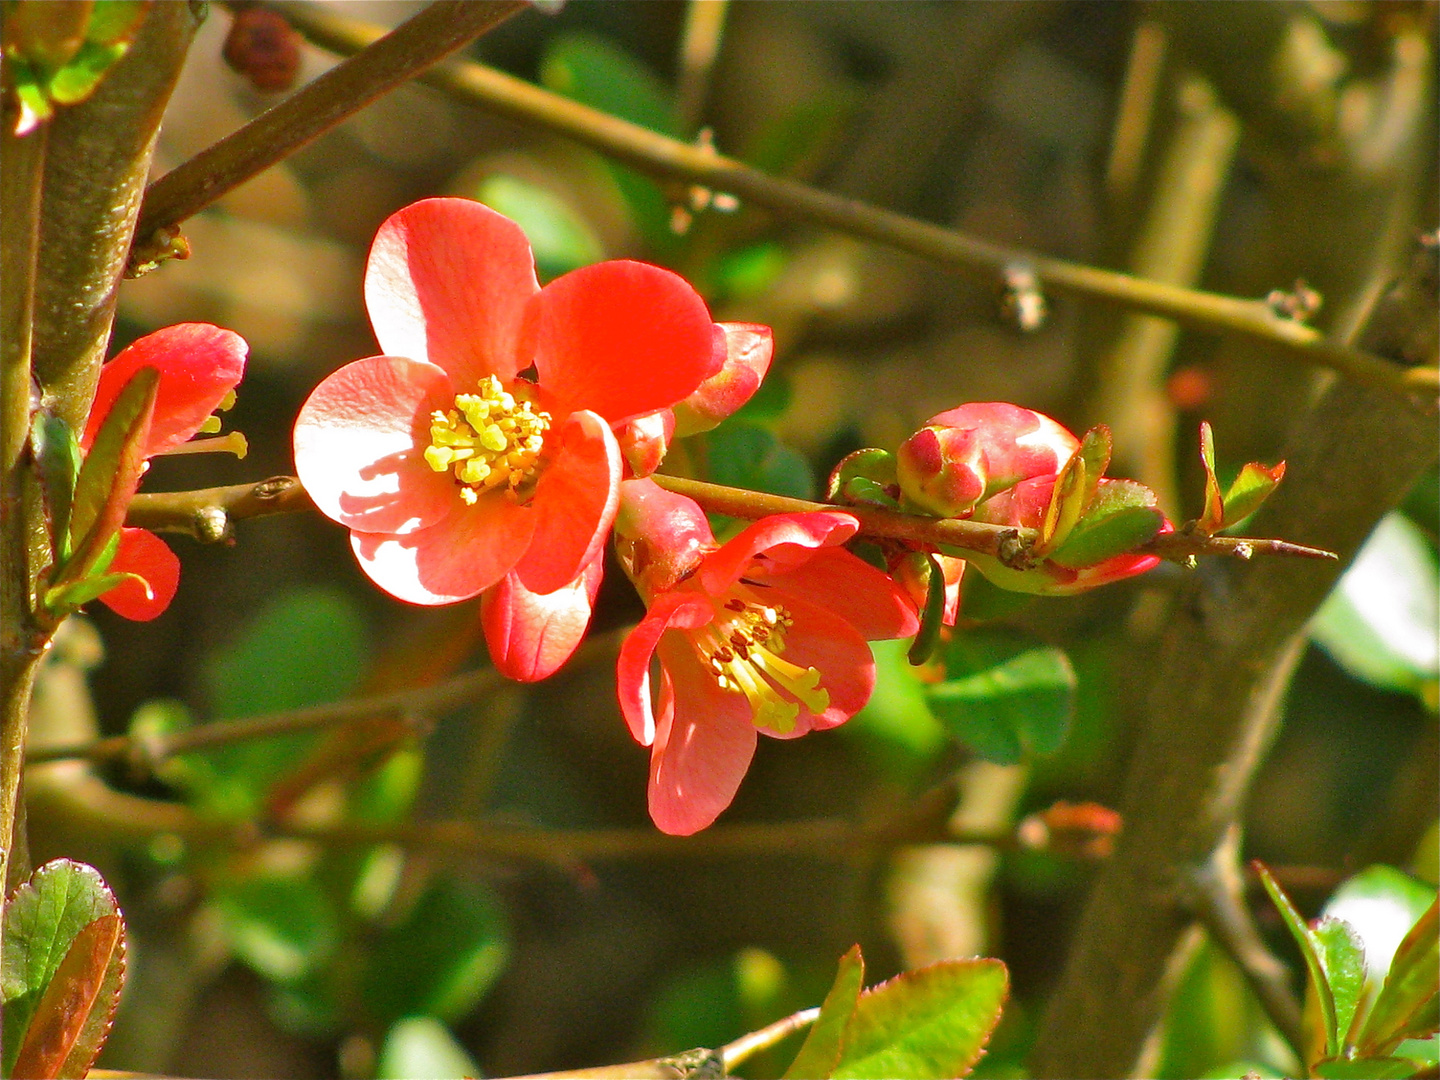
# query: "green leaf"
x,y
933,617
746,455
71,597
1121,517
1329,1034
1250,490
305,648
1366,1068
109,475
865,476
282,927
1406,1006
1380,622
443,958
57,460
750,272
1005,697
588,69
1342,956
73,1018
929,1023
422,1048
1212,517
896,728
115,21
43,917
562,240
820,1052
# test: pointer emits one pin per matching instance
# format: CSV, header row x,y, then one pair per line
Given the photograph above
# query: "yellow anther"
x,y
490,439
742,648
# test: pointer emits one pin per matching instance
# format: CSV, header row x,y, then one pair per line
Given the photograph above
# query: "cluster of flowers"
x,y
505,431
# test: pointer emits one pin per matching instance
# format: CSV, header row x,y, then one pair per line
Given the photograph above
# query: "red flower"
x,y
450,469
199,365
767,633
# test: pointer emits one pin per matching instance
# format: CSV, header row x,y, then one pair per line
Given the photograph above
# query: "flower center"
x,y
742,648
490,439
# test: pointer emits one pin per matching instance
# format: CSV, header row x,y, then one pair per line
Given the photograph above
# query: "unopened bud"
x,y
264,48
660,537
940,470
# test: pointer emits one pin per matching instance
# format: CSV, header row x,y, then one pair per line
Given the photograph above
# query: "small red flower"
x,y
765,634
199,365
451,469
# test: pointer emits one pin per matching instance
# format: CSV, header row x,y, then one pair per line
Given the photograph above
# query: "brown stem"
x,y
1217,896
669,158
208,515
391,61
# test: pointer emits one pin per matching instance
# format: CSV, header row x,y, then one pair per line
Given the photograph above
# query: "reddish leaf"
x,y
73,1018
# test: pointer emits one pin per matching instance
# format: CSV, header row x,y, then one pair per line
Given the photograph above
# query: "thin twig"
x,y
208,515
699,46
747,1046
391,61
150,752
1217,896
669,158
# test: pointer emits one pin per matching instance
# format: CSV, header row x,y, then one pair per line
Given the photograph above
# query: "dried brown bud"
x,y
264,48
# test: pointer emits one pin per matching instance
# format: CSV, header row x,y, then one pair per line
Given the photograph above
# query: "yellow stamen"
x,y
742,649
490,439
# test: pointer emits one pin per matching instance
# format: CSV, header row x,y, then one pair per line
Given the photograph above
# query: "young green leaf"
x,y
1408,1006
1250,489
865,476
823,1045
933,617
109,475
1342,956
422,1048
57,460
1329,1034
1212,517
1366,1068
1120,518
43,917
930,1023
73,1017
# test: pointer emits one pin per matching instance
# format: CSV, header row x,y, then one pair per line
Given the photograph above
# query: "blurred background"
x,y
1246,148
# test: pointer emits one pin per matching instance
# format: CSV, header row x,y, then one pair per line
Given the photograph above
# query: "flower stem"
x,y
665,157
375,69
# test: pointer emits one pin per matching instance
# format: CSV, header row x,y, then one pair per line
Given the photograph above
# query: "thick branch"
x,y
345,89
665,157
1213,701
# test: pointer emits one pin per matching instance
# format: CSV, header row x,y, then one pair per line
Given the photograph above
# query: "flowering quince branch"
x,y
391,61
666,157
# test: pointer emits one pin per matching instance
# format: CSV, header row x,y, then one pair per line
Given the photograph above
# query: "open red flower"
x,y
199,365
765,634
451,469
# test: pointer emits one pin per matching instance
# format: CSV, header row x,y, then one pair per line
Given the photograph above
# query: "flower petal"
x,y
632,672
455,559
532,634
574,504
360,440
850,588
620,338
146,555
834,648
702,753
198,364
448,281
781,537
